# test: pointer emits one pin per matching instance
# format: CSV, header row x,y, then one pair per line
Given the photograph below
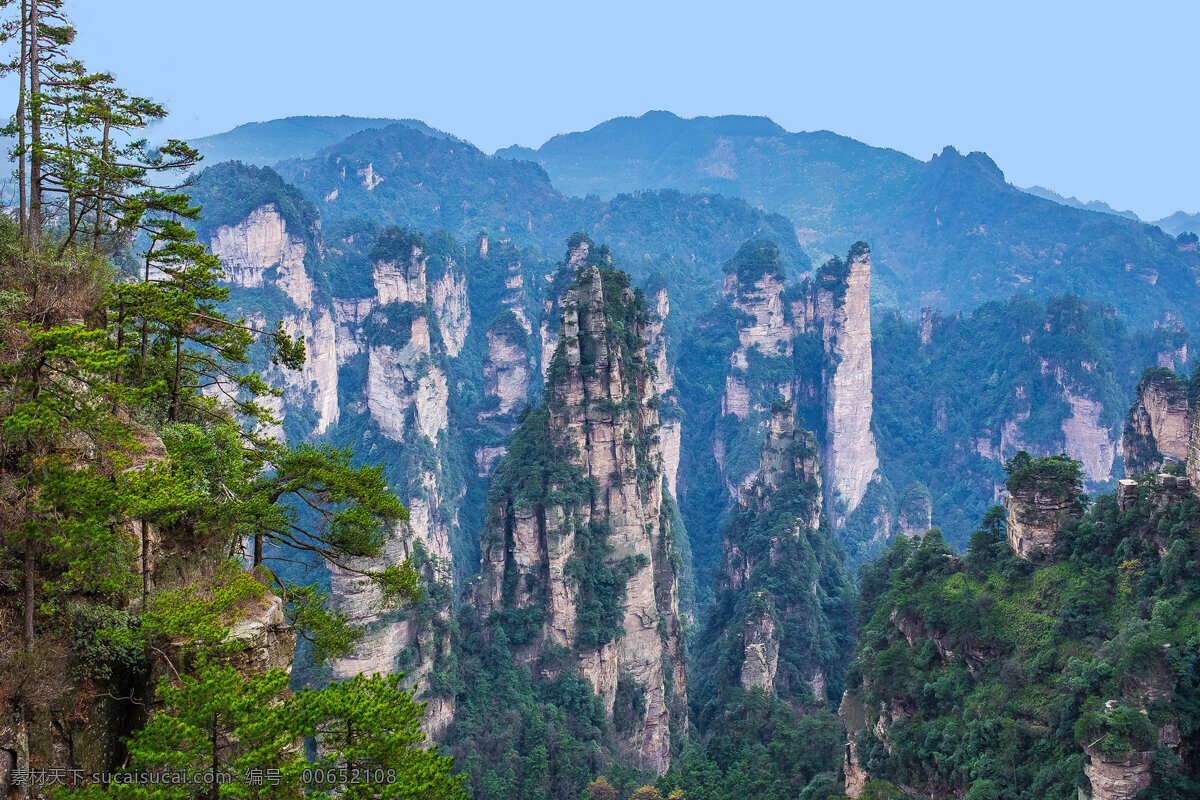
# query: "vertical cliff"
x,y
760,365
267,256
577,550
1159,425
670,432
399,333
843,306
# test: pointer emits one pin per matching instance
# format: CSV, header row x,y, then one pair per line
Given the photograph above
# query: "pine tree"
x,y
368,729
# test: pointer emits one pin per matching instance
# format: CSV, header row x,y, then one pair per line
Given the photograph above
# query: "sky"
x,y
1096,99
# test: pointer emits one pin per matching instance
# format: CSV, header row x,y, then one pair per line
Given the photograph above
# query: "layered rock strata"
x,y
1036,515
843,304
1158,428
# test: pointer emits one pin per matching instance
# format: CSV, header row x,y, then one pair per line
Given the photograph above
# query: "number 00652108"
x,y
342,775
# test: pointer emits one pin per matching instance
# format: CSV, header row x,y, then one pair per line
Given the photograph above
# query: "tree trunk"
x,y
35,155
30,596
173,410
145,565
99,226
22,177
258,547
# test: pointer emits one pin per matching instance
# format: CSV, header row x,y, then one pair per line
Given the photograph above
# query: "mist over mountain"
x,y
266,143
948,233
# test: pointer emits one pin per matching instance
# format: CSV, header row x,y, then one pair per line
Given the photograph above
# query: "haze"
x,y
1093,100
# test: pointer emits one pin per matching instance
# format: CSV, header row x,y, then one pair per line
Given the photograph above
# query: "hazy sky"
x,y
1093,99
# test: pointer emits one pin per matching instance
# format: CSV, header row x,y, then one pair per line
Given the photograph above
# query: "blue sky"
x,y
1092,99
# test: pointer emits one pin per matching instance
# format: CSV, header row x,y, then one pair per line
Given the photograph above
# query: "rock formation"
x,y
809,345
843,305
61,712
1086,439
915,511
1039,508
1159,425
597,520
670,432
766,629
506,372
262,252
262,244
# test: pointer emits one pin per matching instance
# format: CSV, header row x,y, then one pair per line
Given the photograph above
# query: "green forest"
x,y
341,459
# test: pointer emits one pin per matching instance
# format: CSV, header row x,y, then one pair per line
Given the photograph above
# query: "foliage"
x,y
1058,475
1001,676
755,259
943,402
245,733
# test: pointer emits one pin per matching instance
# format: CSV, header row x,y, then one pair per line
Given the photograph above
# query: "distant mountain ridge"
x,y
265,143
1180,222
1075,202
949,233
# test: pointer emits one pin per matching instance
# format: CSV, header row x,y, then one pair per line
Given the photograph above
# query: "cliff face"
x,y
1086,439
448,295
914,515
259,245
1159,425
849,454
1036,516
506,370
63,710
771,325
261,252
557,551
670,433
509,357
760,367
406,395
404,389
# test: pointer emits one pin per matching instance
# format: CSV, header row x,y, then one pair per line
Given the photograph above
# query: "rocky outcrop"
x,y
1122,775
754,289
398,271
403,384
843,305
603,511
506,371
761,658
1086,439
66,710
398,641
779,622
1159,425
670,433
251,249
915,511
1193,458
261,252
855,716
1037,513
1116,777
448,295
405,334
